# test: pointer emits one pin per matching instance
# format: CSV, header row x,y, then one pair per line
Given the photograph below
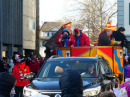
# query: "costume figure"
x,y
65,39
81,39
104,38
19,70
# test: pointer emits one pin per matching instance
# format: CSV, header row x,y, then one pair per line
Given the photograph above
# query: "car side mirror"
x,y
109,76
29,76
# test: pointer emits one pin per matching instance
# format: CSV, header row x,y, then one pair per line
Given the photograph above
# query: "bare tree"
x,y
94,14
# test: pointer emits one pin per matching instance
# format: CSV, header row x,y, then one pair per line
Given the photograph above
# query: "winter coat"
x,y
11,64
104,40
120,37
34,67
84,40
7,82
2,69
16,72
71,84
69,43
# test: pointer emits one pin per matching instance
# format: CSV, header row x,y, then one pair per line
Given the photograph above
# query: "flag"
x,y
67,25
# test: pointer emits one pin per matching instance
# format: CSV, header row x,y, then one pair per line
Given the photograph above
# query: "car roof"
x,y
75,58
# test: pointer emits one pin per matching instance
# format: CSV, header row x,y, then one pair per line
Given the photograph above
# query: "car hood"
x,y
53,83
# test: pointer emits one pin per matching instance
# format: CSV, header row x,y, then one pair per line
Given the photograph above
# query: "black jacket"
x,y
2,69
71,84
120,37
104,40
7,82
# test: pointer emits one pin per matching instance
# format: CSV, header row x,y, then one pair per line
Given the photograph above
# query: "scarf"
x,y
65,42
78,39
21,65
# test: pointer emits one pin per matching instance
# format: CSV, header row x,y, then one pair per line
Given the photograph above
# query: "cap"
x,y
76,30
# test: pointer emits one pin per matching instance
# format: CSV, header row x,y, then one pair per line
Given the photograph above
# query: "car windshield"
x,y
55,68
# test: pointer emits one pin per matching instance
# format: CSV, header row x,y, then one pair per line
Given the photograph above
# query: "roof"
x,y
47,26
45,38
76,58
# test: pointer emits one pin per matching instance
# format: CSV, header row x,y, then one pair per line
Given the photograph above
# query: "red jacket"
x,y
69,43
84,40
16,73
34,67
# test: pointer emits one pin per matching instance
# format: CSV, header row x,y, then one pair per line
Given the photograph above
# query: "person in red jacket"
x,y
65,39
81,39
34,65
19,70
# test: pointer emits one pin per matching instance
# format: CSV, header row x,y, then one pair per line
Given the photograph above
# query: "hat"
x,y
109,27
65,30
34,56
95,42
19,58
76,30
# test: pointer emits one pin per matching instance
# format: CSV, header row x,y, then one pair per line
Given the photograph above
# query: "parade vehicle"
x,y
113,54
47,80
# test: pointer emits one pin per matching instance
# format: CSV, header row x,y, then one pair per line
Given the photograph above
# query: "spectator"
x,y
126,63
71,84
27,61
108,88
2,69
41,62
107,94
34,65
11,64
7,82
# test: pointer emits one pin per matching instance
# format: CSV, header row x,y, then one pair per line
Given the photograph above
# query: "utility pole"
x,y
37,29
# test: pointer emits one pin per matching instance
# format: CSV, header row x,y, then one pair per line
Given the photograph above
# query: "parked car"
x,y
47,80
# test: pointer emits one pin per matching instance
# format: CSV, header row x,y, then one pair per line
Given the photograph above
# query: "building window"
x,y
44,34
52,34
48,34
40,43
31,25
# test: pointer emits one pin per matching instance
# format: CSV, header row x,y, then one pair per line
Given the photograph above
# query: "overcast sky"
x,y
53,10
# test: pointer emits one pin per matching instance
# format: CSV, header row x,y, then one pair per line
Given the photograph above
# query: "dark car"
x,y
93,72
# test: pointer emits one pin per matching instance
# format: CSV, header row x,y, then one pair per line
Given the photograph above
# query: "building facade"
x,y
17,27
123,17
11,27
29,26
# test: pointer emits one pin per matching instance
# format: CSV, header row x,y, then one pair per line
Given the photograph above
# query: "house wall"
x,y
126,18
29,24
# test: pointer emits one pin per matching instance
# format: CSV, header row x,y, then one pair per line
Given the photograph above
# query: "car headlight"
x,y
27,93
92,91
